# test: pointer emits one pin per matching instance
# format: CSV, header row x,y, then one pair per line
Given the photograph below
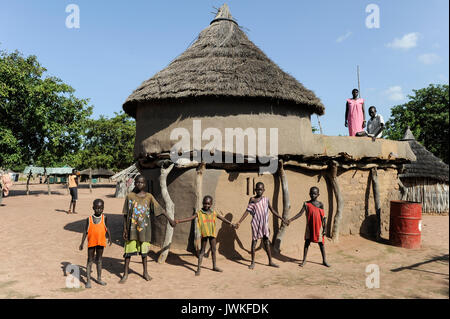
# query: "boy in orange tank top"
x,y
315,224
95,231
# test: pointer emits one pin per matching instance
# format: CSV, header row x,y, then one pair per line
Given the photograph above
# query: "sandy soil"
x,y
39,240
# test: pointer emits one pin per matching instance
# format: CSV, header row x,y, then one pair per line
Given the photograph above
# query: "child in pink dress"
x,y
355,118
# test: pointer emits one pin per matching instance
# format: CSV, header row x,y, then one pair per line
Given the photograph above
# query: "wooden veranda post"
x,y
199,198
170,209
339,200
286,205
376,197
28,183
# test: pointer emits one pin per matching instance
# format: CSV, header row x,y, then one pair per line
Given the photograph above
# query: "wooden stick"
x,y
340,202
376,196
286,206
198,194
90,180
170,209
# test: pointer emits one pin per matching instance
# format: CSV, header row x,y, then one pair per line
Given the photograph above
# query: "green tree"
x,y
427,115
109,143
41,120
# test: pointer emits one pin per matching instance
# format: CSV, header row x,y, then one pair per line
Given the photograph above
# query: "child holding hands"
x,y
206,221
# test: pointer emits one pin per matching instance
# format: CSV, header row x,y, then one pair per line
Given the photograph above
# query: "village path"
x,y
39,239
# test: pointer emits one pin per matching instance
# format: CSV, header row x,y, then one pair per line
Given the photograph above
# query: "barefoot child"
x,y
206,220
136,224
96,230
315,224
259,207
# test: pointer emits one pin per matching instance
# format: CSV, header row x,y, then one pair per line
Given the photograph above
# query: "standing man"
x,y
73,188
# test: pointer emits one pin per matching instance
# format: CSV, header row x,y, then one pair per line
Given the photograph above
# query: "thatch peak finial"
x,y
223,14
408,135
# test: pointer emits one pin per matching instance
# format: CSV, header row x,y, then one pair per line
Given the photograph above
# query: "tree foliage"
x,y
109,143
41,121
427,115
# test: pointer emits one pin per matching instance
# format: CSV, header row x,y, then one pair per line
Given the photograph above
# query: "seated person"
x,y
375,125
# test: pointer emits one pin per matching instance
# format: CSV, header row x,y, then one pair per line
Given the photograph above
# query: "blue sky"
x,y
120,44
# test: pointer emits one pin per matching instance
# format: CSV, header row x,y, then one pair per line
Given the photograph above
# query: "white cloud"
x,y
429,58
343,37
395,93
407,42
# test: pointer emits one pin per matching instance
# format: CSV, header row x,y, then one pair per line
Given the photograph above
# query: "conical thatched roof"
x,y
427,165
223,62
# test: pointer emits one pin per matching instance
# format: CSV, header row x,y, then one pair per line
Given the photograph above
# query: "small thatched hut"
x,y
426,179
224,83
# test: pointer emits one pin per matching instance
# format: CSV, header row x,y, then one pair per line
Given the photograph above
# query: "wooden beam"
x,y
340,201
198,195
376,197
286,205
170,209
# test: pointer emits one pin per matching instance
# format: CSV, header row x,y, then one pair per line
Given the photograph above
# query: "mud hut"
x,y
426,179
224,91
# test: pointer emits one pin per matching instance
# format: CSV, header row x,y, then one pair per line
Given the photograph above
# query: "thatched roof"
x,y
427,165
223,62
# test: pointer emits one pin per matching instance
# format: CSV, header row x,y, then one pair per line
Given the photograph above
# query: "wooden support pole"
x,y
90,180
198,194
340,201
28,183
286,205
376,196
248,186
170,210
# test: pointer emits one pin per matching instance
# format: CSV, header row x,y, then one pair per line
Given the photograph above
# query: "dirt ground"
x,y
40,240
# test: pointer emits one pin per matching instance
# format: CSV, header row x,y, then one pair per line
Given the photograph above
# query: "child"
x,y
96,230
315,224
206,220
73,188
136,224
258,207
375,125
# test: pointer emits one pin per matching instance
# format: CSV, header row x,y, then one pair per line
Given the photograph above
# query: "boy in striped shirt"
x,y
206,221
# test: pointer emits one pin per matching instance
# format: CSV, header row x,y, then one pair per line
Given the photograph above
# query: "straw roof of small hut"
x,y
223,62
427,165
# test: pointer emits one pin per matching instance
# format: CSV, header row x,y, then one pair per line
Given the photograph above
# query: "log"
x,y
286,206
170,210
199,198
376,196
339,200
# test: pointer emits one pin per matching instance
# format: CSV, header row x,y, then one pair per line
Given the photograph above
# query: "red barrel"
x,y
405,225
